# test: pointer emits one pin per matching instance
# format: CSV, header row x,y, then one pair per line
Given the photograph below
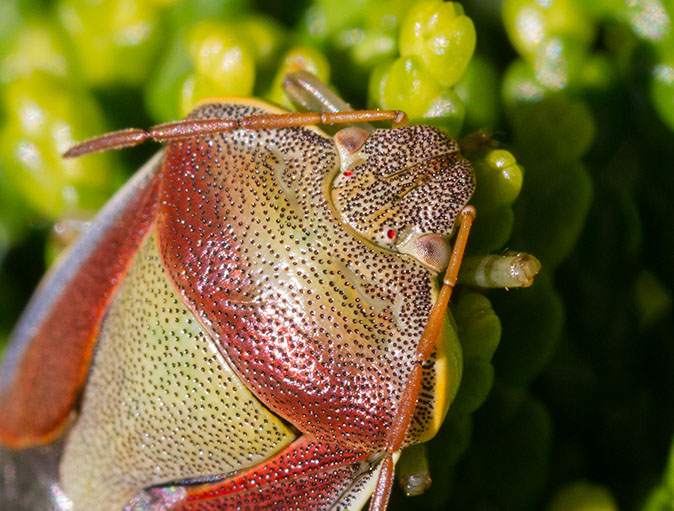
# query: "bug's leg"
x,y
408,400
193,127
309,94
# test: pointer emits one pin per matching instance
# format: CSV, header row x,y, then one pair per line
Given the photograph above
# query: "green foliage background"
x,y
567,401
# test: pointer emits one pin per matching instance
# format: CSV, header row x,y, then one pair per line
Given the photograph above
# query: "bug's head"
x,y
402,189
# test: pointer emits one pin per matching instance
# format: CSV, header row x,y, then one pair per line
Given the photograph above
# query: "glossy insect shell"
x,y
235,318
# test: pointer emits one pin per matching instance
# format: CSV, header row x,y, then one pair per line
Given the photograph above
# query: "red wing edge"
x,y
50,350
309,475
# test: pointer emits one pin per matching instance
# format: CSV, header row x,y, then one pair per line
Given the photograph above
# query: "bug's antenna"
x,y
115,140
194,127
410,393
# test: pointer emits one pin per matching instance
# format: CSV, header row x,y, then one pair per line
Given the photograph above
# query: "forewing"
x,y
50,350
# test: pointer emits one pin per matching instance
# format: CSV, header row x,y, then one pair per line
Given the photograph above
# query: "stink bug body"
x,y
253,322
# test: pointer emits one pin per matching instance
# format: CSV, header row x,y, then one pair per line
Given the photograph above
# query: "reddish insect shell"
x,y
321,319
276,244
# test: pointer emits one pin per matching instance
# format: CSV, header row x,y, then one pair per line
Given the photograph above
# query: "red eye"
x,y
348,173
390,234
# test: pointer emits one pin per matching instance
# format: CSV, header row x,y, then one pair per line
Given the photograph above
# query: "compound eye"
x,y
433,250
351,139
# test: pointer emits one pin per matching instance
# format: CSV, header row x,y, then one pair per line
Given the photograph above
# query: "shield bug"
x,y
253,322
